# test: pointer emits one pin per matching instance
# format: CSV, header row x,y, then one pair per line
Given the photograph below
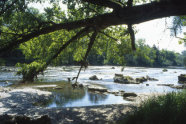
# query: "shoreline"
x,y
19,101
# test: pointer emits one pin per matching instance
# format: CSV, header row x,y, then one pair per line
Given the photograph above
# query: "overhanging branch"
x,y
127,15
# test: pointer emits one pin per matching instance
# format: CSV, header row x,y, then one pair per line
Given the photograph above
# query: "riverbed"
x,y
68,97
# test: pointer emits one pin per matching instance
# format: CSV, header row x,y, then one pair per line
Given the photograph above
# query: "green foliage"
x,y
112,45
30,71
153,57
167,109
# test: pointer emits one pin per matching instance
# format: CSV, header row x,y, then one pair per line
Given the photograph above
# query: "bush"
x,y
167,109
30,71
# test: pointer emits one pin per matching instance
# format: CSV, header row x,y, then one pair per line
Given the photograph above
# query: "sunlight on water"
x,y
106,73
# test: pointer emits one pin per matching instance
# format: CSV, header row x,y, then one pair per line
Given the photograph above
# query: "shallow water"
x,y
54,74
80,97
107,75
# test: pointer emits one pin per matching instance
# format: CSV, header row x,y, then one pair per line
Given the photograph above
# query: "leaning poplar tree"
x,y
85,25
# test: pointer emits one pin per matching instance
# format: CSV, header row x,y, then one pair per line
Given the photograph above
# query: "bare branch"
x,y
108,36
84,63
184,39
132,36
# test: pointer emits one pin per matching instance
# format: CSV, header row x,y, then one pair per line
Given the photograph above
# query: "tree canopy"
x,y
97,25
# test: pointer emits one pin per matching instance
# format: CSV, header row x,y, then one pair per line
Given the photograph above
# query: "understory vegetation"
x,y
167,109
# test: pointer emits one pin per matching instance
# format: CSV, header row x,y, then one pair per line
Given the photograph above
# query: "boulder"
x,y
182,78
119,78
164,70
147,78
97,88
179,86
130,94
141,79
118,75
151,79
113,68
94,77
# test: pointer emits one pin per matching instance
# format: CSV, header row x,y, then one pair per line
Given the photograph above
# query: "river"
x,y
106,73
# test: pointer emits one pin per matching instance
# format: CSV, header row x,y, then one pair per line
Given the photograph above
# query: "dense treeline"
x,y
145,56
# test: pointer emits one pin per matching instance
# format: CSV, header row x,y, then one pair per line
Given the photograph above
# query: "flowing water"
x,y
66,98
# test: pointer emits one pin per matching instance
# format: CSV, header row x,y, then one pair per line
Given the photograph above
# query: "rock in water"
x,y
97,88
141,79
119,78
164,70
94,77
182,78
130,94
151,79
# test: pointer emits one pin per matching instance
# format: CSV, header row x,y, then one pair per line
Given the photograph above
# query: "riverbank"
x,y
22,101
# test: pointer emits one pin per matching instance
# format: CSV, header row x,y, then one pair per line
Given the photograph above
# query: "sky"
x,y
154,32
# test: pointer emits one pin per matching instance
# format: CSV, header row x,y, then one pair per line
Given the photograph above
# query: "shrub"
x,y
167,109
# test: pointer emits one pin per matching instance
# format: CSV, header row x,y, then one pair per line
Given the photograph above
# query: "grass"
x,y
167,109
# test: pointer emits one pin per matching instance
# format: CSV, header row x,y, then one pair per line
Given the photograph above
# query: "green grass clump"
x,y
167,109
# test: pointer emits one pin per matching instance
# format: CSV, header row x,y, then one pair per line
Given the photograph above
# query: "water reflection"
x,y
96,98
66,96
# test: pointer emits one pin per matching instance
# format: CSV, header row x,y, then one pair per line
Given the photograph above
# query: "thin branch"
x,y
175,34
105,3
108,36
84,63
127,15
81,33
181,38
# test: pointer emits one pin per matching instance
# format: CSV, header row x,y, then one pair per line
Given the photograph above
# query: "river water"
x,y
106,73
